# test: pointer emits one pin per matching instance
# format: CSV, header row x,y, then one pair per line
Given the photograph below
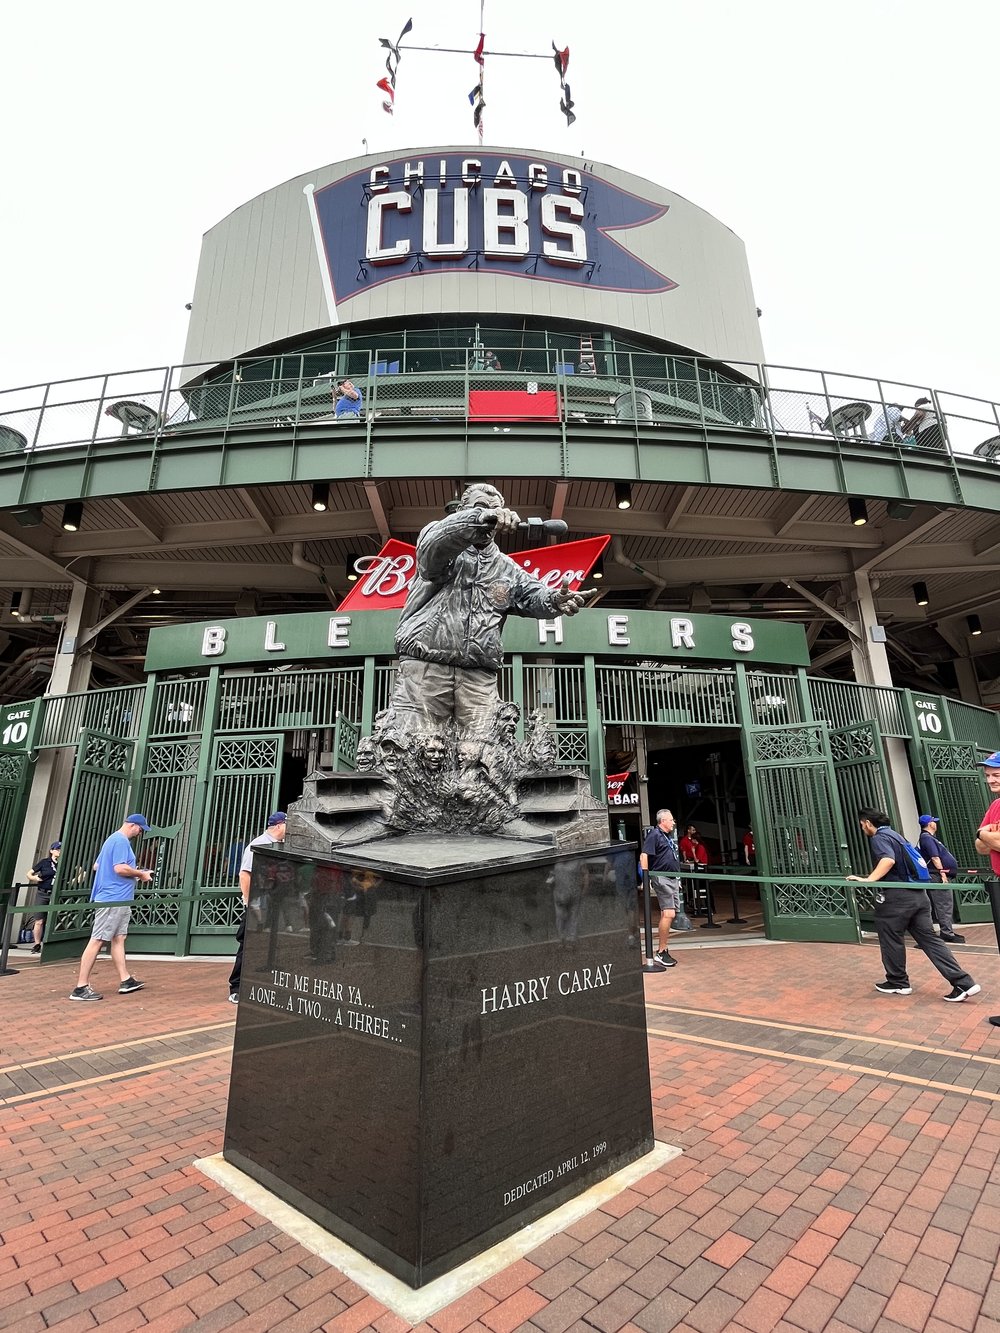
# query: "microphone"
x,y
552,527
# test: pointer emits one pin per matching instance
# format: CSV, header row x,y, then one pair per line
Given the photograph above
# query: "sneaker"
x,y
36,948
84,993
129,985
957,993
234,997
953,939
892,988
664,959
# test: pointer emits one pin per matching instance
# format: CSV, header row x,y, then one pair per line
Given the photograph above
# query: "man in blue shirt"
x,y
904,907
115,874
943,866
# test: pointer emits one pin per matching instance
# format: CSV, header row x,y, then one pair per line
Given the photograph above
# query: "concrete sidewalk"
x,y
839,1150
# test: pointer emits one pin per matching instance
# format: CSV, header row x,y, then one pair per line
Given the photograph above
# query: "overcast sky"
x,y
852,144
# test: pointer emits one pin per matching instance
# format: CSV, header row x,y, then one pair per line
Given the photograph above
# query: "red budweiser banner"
x,y
384,579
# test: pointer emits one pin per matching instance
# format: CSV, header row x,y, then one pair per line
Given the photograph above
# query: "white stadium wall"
x,y
537,234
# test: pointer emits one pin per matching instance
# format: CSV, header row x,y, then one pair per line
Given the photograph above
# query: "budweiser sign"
x,y
385,579
617,795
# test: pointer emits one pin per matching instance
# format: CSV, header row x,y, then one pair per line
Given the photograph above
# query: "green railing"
x,y
612,387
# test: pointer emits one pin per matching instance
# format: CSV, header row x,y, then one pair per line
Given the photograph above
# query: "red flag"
x,y
384,579
477,54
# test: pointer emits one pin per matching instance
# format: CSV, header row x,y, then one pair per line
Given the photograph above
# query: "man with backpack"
x,y
901,906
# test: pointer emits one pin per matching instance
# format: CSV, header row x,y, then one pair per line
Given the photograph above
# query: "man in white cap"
x,y
115,874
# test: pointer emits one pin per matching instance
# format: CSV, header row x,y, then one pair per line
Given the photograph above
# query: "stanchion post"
x,y
8,918
993,889
735,919
650,964
710,923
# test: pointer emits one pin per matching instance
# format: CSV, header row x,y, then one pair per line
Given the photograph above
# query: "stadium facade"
x,y
177,542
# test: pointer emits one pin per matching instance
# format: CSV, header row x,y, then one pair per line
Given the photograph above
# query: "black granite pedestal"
x,y
438,1040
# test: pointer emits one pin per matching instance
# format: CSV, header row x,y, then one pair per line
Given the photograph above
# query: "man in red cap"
x,y
988,837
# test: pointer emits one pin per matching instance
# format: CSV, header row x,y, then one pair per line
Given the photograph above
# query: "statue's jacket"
x,y
462,594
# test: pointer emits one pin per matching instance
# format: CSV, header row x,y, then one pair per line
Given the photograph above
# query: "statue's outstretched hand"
x,y
568,603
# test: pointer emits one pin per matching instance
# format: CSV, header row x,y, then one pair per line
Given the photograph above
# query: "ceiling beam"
x,y
378,510
790,511
12,538
254,508
907,539
142,514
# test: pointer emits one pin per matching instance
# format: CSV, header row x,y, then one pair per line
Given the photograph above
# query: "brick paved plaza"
x,y
837,1173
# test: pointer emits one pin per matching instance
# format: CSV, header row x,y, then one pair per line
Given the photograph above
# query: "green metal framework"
x,y
202,757
641,416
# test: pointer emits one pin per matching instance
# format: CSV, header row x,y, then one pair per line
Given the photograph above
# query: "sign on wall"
x,y
503,214
385,579
16,731
632,636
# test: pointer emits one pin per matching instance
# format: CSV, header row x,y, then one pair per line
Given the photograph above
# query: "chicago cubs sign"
x,y
492,213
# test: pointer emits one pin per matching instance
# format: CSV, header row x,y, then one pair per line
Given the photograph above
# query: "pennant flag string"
x,y
566,103
387,85
477,96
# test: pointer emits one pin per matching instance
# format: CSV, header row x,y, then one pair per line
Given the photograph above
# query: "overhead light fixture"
x,y
920,594
155,592
623,495
900,509
72,516
858,511
321,497
352,573
28,517
598,571
975,625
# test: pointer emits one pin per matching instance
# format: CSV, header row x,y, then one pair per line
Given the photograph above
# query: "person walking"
x,y
115,875
41,875
899,909
988,836
272,835
659,857
942,865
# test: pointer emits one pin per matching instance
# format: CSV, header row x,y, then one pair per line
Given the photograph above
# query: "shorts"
x,y
667,890
111,922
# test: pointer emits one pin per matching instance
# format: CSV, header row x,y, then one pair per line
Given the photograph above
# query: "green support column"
x,y
142,743
199,808
517,692
595,732
367,719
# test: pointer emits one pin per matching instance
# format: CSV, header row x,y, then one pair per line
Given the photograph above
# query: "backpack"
x,y
915,863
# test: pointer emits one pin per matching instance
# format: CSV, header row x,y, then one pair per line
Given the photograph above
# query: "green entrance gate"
x,y
791,776
96,807
951,785
243,786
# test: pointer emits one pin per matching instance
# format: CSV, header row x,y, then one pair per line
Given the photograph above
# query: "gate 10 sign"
x,y
15,725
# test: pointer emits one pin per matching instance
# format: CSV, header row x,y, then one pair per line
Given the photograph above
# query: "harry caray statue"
x,y
448,639
446,747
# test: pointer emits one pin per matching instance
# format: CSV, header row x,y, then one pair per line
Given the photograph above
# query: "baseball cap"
x,y
140,820
992,762
55,846
928,819
278,817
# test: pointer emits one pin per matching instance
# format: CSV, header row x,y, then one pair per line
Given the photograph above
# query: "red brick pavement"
x,y
838,1172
